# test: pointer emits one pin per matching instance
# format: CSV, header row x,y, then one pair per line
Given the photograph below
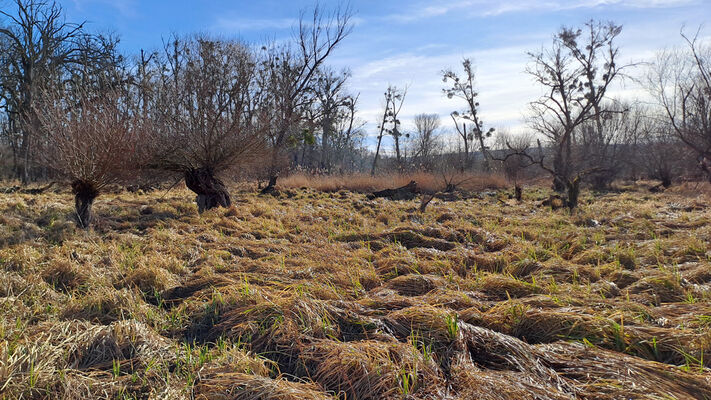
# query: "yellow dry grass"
x,y
320,293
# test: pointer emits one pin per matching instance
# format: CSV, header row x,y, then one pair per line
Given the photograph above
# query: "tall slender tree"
x,y
390,124
462,87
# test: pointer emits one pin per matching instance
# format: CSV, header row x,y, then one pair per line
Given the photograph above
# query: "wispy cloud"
x,y
250,24
127,8
419,12
485,8
229,24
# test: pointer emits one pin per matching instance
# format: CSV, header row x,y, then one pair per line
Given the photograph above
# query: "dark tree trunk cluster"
x,y
518,193
84,195
211,192
271,186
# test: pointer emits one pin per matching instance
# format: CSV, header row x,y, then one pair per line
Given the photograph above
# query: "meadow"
x,y
322,294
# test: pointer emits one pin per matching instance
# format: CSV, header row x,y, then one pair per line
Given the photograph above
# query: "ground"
x,y
314,295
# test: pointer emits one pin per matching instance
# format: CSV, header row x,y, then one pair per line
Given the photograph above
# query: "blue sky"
x,y
408,42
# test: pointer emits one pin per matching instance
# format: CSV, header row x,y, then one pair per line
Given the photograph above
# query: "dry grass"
x,y
321,293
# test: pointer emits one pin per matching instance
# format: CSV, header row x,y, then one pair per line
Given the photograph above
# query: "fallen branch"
x,y
426,198
407,192
18,189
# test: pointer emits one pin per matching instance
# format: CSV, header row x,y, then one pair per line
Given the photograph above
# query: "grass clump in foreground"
x,y
322,295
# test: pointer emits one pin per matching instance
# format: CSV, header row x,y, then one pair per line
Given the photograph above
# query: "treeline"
x,y
196,108
202,108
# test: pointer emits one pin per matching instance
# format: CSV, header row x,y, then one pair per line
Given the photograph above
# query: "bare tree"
x,y
349,135
425,138
608,141
463,88
467,141
39,43
91,138
390,124
332,98
576,73
681,82
662,155
288,77
395,129
204,118
509,149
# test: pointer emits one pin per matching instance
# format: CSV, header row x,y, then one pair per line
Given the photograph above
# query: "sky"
x,y
408,43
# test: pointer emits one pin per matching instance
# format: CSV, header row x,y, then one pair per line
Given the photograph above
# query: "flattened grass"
x,y
313,295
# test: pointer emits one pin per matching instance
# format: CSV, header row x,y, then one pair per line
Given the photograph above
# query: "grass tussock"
x,y
230,385
369,369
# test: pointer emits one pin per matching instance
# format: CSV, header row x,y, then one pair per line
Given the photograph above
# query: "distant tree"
x,y
608,141
662,156
204,115
508,150
425,139
576,73
467,140
146,70
348,136
395,131
463,88
389,123
681,82
91,138
332,98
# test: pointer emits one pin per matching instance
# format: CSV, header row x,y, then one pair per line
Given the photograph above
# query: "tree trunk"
x,y
271,186
465,165
558,184
326,127
396,136
377,152
25,177
274,168
487,168
211,192
666,180
705,165
559,181
573,188
84,195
